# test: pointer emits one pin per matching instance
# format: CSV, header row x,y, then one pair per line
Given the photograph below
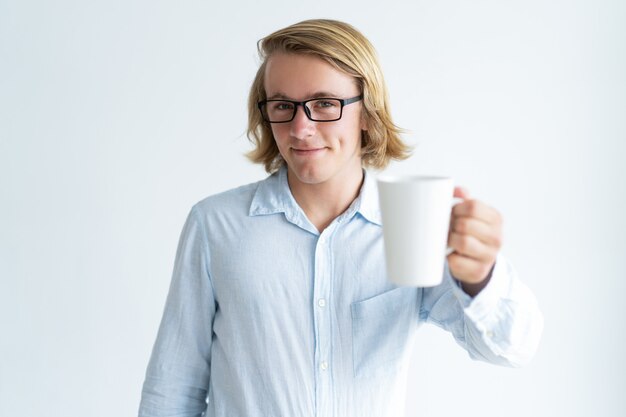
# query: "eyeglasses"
x,y
316,109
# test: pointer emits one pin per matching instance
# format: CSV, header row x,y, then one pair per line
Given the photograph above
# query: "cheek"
x,y
351,136
279,133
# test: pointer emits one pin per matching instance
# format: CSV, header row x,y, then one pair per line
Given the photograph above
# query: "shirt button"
x,y
324,366
489,334
321,302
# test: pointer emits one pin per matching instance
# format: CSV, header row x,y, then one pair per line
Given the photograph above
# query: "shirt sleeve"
x,y
501,325
179,369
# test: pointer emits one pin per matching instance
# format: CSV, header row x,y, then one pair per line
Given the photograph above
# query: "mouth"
x,y
308,151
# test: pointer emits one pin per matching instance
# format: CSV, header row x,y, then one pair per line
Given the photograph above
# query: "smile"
x,y
307,152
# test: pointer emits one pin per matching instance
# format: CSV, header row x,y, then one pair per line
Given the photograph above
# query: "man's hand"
x,y
476,237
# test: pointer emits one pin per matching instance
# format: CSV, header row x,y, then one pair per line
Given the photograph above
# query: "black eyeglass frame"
x,y
343,101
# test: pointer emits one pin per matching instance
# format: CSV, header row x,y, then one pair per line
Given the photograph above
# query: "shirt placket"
x,y
321,307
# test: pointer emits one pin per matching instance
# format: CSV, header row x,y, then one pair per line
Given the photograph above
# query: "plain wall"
x,y
116,117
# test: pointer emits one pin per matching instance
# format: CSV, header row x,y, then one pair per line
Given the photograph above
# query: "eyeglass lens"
x,y
322,109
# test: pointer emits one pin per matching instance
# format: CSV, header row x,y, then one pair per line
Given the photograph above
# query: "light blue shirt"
x,y
266,316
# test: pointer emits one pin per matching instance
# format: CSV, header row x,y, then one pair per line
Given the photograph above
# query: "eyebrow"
x,y
283,96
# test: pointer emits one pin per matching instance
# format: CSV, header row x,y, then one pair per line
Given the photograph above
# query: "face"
x,y
315,152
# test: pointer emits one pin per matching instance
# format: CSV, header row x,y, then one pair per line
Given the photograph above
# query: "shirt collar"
x,y
274,196
367,200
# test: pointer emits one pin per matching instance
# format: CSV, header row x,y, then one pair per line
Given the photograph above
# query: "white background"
x,y
117,116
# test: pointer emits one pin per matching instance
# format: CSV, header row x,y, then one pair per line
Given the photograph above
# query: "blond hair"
x,y
349,51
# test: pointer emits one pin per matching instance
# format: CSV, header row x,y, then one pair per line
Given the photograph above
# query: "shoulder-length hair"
x,y
345,48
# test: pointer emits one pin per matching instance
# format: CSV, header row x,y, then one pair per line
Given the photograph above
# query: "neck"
x,y
323,202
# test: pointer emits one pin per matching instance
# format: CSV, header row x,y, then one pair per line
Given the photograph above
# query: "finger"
x,y
488,234
471,247
478,210
461,192
467,269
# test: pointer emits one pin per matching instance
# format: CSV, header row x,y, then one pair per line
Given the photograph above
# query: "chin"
x,y
310,175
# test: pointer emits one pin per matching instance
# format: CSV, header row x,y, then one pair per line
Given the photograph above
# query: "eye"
x,y
281,105
324,104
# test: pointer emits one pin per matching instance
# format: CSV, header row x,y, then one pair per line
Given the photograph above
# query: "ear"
x,y
363,122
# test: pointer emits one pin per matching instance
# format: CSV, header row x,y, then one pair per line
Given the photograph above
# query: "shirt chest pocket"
x,y
381,330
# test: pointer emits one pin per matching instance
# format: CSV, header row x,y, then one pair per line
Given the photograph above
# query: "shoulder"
x,y
235,200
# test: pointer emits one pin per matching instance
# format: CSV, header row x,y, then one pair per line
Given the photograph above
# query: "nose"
x,y
301,126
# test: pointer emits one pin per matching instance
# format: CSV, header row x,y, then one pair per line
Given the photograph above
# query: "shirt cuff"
x,y
486,301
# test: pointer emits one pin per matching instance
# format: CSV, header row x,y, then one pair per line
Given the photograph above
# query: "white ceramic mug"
x,y
416,217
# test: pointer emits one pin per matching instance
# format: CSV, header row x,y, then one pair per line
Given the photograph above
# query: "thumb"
x,y
461,192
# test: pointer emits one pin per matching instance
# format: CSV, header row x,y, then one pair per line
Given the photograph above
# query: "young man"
x,y
279,303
